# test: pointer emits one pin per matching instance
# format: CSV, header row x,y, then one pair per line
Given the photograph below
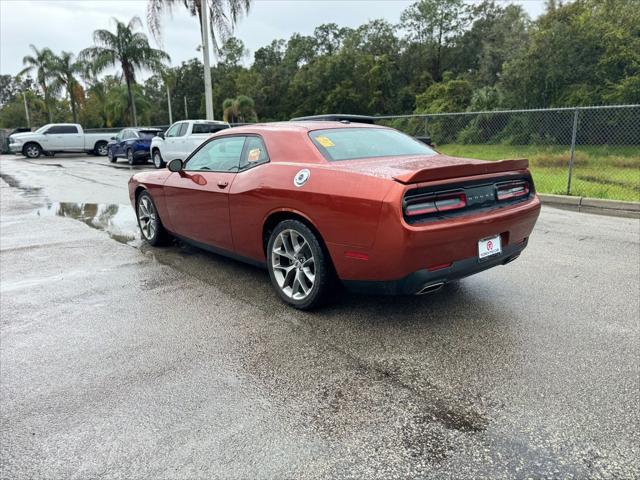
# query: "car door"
x,y
169,144
182,150
197,197
71,138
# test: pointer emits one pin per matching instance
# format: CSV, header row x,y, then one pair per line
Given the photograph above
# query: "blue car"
x,y
133,144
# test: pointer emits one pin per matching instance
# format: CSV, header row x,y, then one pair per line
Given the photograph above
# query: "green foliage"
x,y
444,56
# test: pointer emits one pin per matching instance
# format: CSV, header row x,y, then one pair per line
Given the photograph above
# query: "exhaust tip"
x,y
431,288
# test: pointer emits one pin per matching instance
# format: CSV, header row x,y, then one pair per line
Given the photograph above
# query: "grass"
x,y
598,171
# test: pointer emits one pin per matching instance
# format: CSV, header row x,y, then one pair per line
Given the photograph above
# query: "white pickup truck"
x,y
181,139
59,137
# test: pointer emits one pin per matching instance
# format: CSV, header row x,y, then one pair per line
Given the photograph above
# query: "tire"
x,y
101,149
157,160
130,159
112,157
32,150
302,273
149,221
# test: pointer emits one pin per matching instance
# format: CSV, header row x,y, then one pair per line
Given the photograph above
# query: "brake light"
x,y
435,203
509,190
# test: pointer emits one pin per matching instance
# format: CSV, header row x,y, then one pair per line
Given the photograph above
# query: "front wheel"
x,y
149,220
112,157
130,158
157,159
32,150
300,270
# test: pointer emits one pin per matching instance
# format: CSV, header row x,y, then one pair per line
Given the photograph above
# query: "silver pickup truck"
x,y
58,137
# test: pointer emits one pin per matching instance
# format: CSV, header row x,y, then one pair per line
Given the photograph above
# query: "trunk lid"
x,y
417,169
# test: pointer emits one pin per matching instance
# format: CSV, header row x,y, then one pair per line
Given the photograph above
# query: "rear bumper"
x,y
418,280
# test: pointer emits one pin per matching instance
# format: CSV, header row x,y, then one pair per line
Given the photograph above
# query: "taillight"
x,y
423,205
509,190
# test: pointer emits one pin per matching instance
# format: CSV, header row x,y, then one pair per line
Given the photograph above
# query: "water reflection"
x,y
119,221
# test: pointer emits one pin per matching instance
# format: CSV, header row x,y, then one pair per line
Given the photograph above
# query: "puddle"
x,y
119,221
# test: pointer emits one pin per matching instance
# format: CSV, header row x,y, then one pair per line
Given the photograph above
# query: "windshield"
x,y
43,128
353,143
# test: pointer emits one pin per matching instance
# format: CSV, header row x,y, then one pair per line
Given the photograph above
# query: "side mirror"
x,y
161,135
113,138
175,165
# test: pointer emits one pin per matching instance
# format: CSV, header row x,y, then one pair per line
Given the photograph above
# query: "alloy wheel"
x,y
102,149
157,160
147,217
32,151
293,264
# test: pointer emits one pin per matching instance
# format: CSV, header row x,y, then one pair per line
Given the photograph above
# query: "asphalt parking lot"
x,y
122,360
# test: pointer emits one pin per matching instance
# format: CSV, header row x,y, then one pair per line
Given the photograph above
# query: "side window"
x,y
68,129
219,155
173,131
183,130
255,153
53,130
120,135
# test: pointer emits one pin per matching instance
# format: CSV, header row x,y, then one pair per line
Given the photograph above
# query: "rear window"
x,y
147,134
353,143
208,127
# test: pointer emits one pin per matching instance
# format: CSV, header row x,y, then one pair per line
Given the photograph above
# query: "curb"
x,y
614,208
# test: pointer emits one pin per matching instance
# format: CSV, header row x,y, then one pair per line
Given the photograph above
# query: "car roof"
x,y
299,126
337,117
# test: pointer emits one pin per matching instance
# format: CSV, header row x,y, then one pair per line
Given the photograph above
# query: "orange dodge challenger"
x,y
315,201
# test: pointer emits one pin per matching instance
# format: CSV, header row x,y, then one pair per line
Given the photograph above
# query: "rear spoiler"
x,y
463,170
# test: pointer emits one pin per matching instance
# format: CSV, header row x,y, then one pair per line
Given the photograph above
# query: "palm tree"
x,y
64,71
128,49
42,62
223,15
239,110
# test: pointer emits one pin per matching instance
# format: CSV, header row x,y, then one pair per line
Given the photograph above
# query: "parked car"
x,y
58,137
182,138
382,211
134,144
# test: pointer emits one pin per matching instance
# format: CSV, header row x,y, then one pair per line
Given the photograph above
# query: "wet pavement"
x,y
118,359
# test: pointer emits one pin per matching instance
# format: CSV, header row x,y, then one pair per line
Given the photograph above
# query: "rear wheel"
x,y
32,150
101,149
300,270
112,157
149,221
157,159
130,158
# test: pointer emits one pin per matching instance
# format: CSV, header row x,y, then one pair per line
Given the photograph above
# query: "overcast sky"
x,y
68,24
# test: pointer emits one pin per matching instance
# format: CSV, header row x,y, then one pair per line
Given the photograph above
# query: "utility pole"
x,y
208,97
186,112
26,109
169,104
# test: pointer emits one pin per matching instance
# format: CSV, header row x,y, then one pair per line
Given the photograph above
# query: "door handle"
x,y
222,184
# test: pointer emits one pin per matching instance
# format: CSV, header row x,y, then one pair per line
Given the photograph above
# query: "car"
x,y
58,137
134,144
318,201
182,138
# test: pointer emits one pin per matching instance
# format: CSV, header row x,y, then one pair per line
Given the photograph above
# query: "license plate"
x,y
489,247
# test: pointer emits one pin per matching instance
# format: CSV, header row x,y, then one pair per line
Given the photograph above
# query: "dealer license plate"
x,y
489,247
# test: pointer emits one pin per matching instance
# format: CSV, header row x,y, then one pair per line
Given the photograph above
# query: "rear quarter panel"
x,y
343,207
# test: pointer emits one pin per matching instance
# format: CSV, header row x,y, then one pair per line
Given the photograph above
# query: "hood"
x,y
416,169
22,135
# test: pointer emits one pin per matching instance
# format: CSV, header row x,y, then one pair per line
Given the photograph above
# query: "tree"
x,y
42,62
128,49
64,70
435,24
239,110
223,15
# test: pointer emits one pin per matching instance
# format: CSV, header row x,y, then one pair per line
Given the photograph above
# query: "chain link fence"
x,y
586,151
